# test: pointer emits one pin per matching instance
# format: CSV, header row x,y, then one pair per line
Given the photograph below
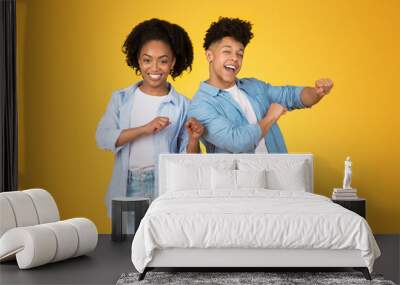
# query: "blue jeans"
x,y
140,184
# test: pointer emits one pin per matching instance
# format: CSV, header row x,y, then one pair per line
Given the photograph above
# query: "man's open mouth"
x,y
230,67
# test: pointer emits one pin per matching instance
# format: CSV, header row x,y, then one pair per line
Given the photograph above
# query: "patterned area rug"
x,y
244,278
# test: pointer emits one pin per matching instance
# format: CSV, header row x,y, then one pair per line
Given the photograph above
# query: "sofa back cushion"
x,y
26,208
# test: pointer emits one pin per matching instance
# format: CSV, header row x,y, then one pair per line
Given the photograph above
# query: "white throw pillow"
x,y
251,178
223,179
293,179
192,175
183,178
282,174
226,179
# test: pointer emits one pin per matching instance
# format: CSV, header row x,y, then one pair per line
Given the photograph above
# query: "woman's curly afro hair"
x,y
171,34
228,27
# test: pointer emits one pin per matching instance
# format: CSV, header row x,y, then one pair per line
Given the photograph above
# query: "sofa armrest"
x,y
40,244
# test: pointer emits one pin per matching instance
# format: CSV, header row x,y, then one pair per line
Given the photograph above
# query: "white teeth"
x,y
231,67
155,76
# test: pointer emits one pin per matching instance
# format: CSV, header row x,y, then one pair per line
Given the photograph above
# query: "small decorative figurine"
x,y
347,174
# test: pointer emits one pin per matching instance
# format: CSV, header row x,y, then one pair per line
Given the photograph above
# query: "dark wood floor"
x,y
103,266
110,260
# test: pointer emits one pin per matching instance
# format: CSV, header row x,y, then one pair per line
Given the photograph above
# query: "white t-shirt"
x,y
144,109
244,103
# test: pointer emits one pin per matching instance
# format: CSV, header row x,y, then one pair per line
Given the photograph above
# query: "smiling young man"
x,y
240,115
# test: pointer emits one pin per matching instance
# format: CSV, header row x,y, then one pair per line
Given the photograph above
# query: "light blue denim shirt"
x,y
227,129
172,139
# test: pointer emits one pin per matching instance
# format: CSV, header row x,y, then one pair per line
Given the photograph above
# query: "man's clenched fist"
x,y
323,86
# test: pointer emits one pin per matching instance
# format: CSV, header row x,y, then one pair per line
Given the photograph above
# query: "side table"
x,y
138,205
357,205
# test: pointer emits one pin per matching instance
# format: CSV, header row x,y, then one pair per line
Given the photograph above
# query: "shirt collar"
x,y
172,95
214,91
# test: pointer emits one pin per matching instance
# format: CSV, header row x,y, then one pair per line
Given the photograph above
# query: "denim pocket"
x,y
141,183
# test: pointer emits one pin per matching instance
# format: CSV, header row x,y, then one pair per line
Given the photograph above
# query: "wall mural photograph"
x,y
171,142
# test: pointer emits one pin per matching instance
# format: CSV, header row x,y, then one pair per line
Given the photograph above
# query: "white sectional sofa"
x,y
31,231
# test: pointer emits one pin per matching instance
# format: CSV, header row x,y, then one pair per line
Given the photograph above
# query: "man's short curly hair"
x,y
238,29
171,34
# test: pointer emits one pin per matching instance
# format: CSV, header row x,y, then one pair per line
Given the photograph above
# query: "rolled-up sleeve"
x,y
223,133
287,96
108,129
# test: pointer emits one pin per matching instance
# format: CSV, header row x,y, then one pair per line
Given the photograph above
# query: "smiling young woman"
x,y
150,116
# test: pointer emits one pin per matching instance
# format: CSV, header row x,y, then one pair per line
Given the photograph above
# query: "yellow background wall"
x,y
70,60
